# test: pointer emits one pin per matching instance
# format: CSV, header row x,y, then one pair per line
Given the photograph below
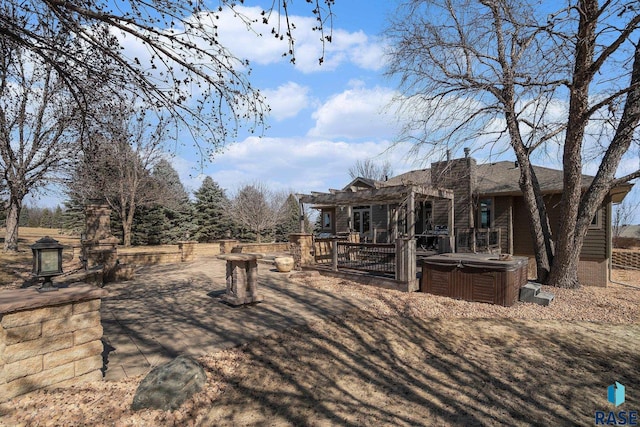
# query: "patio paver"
x,y
173,309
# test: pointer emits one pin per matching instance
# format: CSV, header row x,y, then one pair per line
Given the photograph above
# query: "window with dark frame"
x,y
485,213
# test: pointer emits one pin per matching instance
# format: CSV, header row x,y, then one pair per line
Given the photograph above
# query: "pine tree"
x,y
170,220
211,209
290,222
46,218
56,218
73,217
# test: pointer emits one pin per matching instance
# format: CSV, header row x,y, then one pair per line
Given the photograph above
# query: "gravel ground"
x,y
107,403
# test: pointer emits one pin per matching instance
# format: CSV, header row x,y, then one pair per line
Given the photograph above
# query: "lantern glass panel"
x,y
48,261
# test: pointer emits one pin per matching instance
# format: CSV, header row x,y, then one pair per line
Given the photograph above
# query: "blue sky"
x,y
324,118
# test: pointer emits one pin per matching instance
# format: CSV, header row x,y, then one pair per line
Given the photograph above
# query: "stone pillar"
x,y
97,222
301,248
99,247
242,279
187,250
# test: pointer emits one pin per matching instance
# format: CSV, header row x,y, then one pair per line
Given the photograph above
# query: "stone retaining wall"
x,y
622,259
150,258
51,338
186,252
260,248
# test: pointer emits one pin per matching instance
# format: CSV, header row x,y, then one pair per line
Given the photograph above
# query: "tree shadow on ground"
x,y
310,356
360,370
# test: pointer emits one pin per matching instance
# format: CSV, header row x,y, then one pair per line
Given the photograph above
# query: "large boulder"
x,y
167,386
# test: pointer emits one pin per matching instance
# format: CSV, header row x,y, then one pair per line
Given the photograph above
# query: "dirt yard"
x,y
403,359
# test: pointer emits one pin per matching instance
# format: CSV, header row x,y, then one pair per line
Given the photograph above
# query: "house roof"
x,y
496,178
630,231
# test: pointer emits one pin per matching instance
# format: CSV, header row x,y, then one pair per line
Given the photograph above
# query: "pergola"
x,y
391,194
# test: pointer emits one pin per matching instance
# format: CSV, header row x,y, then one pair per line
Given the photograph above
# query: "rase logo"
x,y
615,395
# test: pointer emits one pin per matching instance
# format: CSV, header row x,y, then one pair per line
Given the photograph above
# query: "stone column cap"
x,y
240,257
13,300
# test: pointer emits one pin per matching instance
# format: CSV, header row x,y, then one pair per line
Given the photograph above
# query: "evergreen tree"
x,y
73,217
290,222
169,221
23,220
56,218
46,218
211,212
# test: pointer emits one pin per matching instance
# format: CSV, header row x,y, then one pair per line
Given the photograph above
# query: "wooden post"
x,y
510,228
451,224
302,230
411,214
410,261
395,223
400,260
334,254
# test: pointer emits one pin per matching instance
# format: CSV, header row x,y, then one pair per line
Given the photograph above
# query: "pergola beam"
x,y
383,195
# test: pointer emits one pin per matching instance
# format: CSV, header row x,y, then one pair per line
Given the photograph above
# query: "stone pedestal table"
x,y
242,278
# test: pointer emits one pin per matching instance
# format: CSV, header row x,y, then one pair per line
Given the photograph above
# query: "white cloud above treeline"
x,y
358,112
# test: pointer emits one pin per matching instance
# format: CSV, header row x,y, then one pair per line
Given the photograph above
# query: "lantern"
x,y
47,261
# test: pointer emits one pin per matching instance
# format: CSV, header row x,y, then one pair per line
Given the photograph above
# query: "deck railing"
x,y
387,259
373,257
478,240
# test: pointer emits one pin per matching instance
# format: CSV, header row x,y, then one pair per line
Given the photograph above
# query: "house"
x,y
486,213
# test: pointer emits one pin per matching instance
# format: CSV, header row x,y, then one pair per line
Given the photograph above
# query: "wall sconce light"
x,y
47,261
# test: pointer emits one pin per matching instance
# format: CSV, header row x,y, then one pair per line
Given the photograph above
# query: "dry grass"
x,y
399,359
15,268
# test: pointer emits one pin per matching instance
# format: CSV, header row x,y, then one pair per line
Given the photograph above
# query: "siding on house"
x,y
441,213
342,217
595,242
501,220
460,176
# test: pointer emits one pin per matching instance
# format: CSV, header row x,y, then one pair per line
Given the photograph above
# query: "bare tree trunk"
x,y
13,219
564,272
127,214
537,212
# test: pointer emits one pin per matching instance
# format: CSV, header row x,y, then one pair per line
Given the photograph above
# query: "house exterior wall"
x,y
593,267
379,223
441,213
501,220
460,176
595,242
342,219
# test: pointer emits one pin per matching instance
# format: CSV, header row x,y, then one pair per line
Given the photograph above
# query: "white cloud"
x,y
356,113
287,100
259,46
301,164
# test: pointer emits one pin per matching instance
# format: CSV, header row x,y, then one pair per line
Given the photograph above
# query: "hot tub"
x,y
475,277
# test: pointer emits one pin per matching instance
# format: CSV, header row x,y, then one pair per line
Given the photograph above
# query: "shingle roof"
x,y
496,178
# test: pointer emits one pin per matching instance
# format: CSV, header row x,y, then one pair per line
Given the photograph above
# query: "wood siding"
x,y
342,218
595,242
501,220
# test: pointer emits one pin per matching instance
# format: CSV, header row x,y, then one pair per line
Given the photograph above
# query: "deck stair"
x,y
531,292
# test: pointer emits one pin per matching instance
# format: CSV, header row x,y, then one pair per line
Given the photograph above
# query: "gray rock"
x,y
167,386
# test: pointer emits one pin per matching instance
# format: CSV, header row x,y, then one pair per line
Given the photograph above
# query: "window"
x,y
362,219
595,222
485,213
327,220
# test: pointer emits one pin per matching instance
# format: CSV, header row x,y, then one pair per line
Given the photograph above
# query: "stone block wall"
x,y
301,248
49,339
626,259
260,248
150,258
